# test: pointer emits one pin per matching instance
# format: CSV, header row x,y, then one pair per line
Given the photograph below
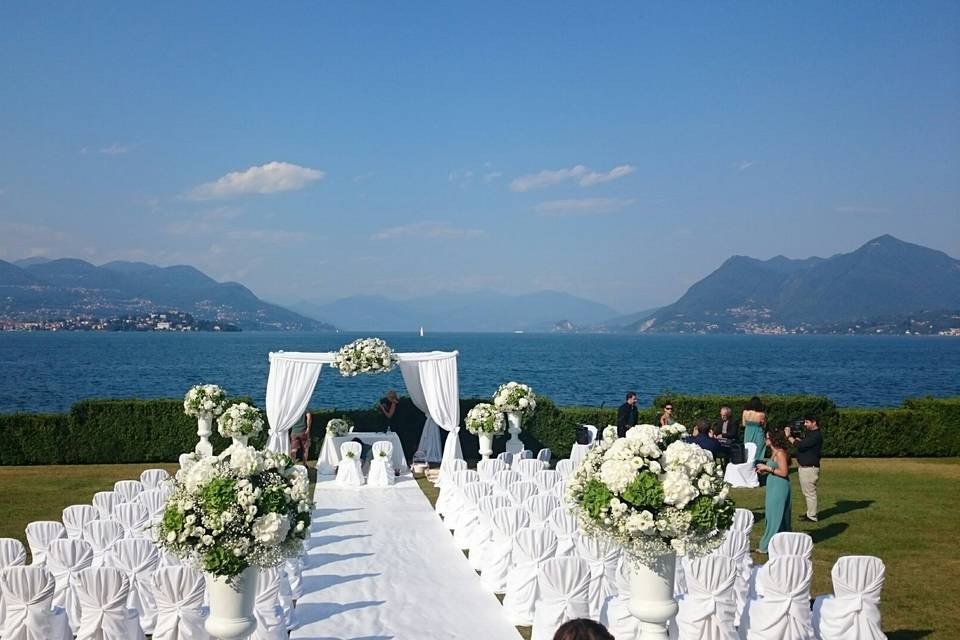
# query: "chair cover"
x,y
547,479
544,456
560,490
785,543
154,502
484,536
39,535
853,611
488,468
506,457
294,570
291,589
103,598
520,491
469,533
708,609
65,558
443,498
349,471
531,547
128,489
743,476
525,454
540,507
528,467
565,526
498,556
455,504
101,534
134,518
615,613
28,597
179,596
12,554
152,478
137,559
503,480
743,520
736,546
563,586
602,555
271,623
105,501
784,611
565,467
168,559
77,515
381,467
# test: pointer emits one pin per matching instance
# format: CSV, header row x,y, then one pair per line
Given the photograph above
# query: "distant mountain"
x,y
886,277
44,289
26,262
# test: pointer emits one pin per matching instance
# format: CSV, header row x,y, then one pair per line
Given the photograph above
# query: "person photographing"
x,y
809,450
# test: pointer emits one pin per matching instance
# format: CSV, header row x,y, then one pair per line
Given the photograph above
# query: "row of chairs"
x,y
350,469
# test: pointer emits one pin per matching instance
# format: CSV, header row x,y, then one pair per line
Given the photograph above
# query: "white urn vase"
x,y
486,445
240,441
231,606
204,429
514,420
651,596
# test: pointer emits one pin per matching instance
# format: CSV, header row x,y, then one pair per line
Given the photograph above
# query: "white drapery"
x,y
289,387
430,437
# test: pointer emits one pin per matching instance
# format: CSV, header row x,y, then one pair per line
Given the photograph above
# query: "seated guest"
x,y
582,629
705,437
726,428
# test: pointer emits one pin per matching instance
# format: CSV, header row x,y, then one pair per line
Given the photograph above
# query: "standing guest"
x,y
809,447
582,629
627,414
777,500
300,438
726,428
666,418
754,420
388,406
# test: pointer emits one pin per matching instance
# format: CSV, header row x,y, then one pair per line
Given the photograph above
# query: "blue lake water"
x,y
50,371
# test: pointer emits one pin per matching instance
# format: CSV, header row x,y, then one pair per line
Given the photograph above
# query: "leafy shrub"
x,y
782,411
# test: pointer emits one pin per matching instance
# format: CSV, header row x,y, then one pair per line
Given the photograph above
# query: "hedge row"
x,y
116,431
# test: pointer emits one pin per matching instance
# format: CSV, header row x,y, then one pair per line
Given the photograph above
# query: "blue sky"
x,y
618,151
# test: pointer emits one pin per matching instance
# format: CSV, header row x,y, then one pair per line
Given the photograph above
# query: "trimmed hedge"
x,y
782,411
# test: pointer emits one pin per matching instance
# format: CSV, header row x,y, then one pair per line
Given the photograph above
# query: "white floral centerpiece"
x,y
204,400
514,397
240,421
339,427
366,355
485,418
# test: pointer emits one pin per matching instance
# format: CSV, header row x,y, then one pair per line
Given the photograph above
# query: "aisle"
x,y
382,566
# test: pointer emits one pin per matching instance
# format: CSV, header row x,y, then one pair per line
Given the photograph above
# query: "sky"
x,y
616,151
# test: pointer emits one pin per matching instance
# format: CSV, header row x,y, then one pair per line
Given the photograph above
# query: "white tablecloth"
x,y
330,451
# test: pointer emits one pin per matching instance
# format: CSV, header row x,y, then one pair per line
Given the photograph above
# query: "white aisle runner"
x,y
382,566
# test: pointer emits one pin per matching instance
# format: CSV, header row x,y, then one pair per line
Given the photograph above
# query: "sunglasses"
x,y
668,408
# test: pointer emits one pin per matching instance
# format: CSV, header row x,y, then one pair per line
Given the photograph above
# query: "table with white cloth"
x,y
330,451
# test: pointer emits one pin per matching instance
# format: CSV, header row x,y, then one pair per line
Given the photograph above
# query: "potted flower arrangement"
x,y
516,400
484,421
339,427
366,355
656,497
240,422
204,402
231,515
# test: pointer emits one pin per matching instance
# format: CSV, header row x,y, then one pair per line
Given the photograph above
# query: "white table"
x,y
330,451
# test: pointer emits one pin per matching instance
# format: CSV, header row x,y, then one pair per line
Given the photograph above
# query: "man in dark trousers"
x,y
809,448
627,414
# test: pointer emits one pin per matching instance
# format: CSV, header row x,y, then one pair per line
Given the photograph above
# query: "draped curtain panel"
x,y
289,387
441,390
430,437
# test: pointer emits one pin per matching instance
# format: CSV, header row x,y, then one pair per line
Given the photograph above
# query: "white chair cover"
x,y
531,547
540,508
128,489
563,586
105,501
137,559
498,557
103,598
271,623
12,554
525,454
708,609
544,456
66,557
134,518
528,468
736,546
77,515
154,501
560,490
179,596
469,533
28,596
39,535
153,478
484,536
784,611
602,555
547,479
488,468
785,543
349,471
615,613
743,476
443,498
455,504
565,467
506,457
381,467
743,520
521,491
503,480
565,526
102,534
168,559
853,611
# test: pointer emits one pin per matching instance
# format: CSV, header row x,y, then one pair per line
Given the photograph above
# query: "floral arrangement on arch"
x,y
514,397
240,420
204,400
339,427
652,494
366,355
243,508
485,418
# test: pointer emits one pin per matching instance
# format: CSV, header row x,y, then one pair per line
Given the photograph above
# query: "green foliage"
x,y
219,495
703,515
782,411
172,519
596,497
645,492
223,562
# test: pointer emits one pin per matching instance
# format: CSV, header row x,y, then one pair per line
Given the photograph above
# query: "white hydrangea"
x,y
686,456
641,522
271,529
246,460
199,473
677,489
617,474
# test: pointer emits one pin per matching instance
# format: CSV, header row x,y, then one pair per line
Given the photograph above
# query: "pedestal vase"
x,y
651,596
231,606
486,445
204,429
514,420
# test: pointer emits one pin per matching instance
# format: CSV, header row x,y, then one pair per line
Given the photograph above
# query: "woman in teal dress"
x,y
777,502
754,421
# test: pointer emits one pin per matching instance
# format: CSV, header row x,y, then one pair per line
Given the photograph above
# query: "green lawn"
x,y
906,511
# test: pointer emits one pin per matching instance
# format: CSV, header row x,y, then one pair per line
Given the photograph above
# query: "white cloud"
x,y
116,149
743,165
274,236
853,208
582,206
267,178
427,230
490,177
363,177
460,177
581,174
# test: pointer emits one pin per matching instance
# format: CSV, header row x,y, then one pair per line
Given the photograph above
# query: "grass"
x,y
905,511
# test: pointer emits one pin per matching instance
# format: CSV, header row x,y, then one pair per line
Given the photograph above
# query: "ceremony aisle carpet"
x,y
383,566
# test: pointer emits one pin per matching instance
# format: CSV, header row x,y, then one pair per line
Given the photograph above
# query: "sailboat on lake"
x,y
421,332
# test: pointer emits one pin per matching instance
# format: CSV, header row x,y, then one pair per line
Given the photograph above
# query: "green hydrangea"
x,y
219,495
272,500
596,497
645,492
172,519
725,512
703,515
223,562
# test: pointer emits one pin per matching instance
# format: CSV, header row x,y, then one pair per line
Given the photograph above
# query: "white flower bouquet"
x,y
339,427
652,494
204,400
243,508
240,420
514,397
484,418
366,355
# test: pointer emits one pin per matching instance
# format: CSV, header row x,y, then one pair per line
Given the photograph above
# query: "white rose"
x,y
271,529
523,403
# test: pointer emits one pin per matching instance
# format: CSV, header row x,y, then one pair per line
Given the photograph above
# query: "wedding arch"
x,y
430,378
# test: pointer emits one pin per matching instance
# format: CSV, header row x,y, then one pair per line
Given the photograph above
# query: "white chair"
x,y
291,589
138,559
105,501
506,457
455,504
76,516
103,596
547,479
784,611
128,489
615,613
708,609
853,611
531,548
736,546
602,555
66,557
12,554
521,491
271,623
578,451
350,471
489,468
565,526
544,456
134,518
39,535
784,544
743,521
565,467
153,478
528,468
469,532
28,598
498,557
560,490
179,596
563,586
484,535
154,502
540,507
102,534
503,480
443,498
381,467
168,559
743,476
